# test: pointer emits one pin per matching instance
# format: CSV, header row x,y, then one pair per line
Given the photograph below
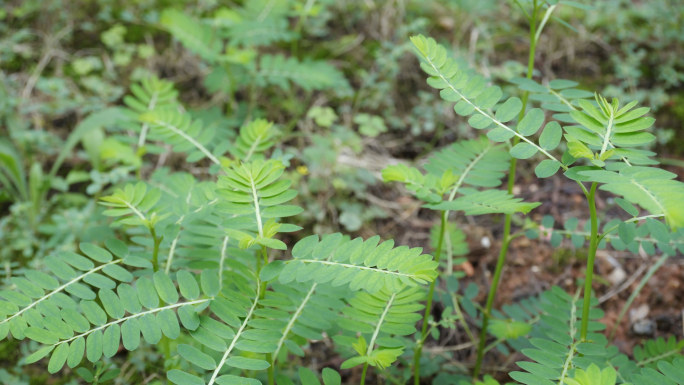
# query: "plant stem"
x,y
492,293
262,290
271,372
589,275
461,319
506,240
428,305
363,374
155,251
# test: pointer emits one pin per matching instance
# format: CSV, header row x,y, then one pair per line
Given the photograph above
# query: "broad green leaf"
x,y
531,122
627,232
508,110
117,272
188,317
110,340
39,354
58,358
547,168
550,136
168,323
634,125
558,84
509,329
489,97
500,134
651,188
486,202
523,150
187,284
41,335
76,351
94,346
147,293
129,298
633,139
354,361
93,313
628,207
111,303
180,377
150,328
196,357
331,377
210,282
229,379
130,334
588,122
308,377
97,253
44,280
579,150
165,287
247,363
479,121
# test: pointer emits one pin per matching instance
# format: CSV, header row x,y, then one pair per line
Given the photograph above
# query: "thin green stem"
x,y
271,372
461,319
428,305
155,251
363,374
492,295
589,275
264,254
506,240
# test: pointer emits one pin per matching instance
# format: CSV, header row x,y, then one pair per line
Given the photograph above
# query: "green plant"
x,y
229,317
604,134
166,241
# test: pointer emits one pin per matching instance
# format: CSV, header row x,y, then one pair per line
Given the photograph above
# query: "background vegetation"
x,y
342,86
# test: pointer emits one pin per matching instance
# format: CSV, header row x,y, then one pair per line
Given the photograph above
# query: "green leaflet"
x,y
474,162
362,265
477,162
460,85
254,190
294,312
391,314
150,94
185,135
307,74
96,329
556,349
475,202
196,36
255,138
651,188
133,205
607,126
250,26
227,334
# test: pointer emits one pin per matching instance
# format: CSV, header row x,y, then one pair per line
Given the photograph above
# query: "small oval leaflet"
x,y
523,150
